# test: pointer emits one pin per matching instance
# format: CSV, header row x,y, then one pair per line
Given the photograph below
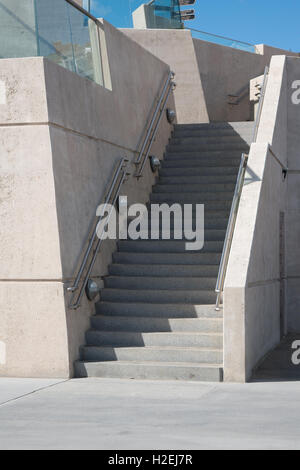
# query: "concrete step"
x,y
209,205
150,371
233,126
210,235
170,310
199,171
197,180
198,155
159,283
166,246
152,354
131,338
246,133
194,162
199,189
192,197
234,146
154,324
162,270
160,296
187,258
208,139
214,223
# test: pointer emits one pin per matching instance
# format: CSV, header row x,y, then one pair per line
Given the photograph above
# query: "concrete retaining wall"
x,y
60,138
254,308
207,73
227,71
175,47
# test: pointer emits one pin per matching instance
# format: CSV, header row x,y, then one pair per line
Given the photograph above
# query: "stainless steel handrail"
x,y
82,10
95,241
236,201
230,229
154,125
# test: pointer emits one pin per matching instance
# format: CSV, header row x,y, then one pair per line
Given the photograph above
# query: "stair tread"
x,y
155,348
157,333
160,364
132,317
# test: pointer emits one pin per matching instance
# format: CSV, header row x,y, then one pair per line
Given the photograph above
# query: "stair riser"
x,y
158,283
166,246
196,180
186,340
148,325
147,372
235,147
209,235
215,227
217,156
209,205
232,126
201,162
151,354
157,310
169,296
208,140
192,198
200,171
200,189
168,258
243,134
163,271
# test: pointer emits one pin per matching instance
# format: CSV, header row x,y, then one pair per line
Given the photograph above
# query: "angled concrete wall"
x,y
207,73
227,71
255,295
175,47
61,137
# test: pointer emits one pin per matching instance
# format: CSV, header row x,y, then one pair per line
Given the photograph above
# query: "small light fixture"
x,y
155,163
171,115
92,289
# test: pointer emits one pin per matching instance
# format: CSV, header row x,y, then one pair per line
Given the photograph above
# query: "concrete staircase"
x,y
156,318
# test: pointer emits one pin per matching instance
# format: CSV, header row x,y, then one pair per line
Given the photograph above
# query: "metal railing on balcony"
x,y
223,41
60,30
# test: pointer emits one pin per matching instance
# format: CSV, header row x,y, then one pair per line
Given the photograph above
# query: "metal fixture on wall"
x,y
154,163
92,289
171,115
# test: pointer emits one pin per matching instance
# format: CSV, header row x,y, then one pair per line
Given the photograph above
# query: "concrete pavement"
x,y
128,415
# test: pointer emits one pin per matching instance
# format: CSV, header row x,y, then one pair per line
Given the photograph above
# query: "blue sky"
x,y
273,22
